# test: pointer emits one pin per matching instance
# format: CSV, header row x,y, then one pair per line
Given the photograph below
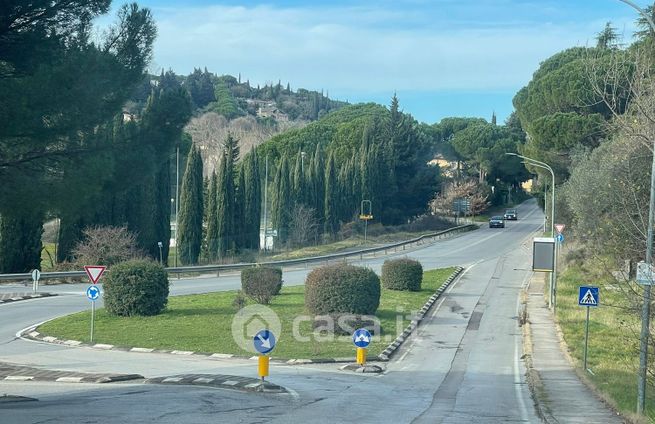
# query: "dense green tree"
x,y
282,201
211,237
252,201
47,131
20,242
239,209
331,203
200,88
225,104
191,210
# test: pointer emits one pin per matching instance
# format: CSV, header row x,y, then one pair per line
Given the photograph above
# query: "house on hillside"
x,y
448,168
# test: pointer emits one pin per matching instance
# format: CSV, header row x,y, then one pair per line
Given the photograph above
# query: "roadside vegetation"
x,y
202,323
613,350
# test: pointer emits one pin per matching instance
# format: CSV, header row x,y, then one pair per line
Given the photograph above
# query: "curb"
x,y
19,297
395,345
22,374
31,334
247,384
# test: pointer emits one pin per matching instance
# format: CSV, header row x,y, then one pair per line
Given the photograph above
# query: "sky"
x,y
442,57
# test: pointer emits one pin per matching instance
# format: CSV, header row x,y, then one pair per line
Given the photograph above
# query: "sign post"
x,y
93,293
365,215
264,342
36,274
361,339
94,272
587,296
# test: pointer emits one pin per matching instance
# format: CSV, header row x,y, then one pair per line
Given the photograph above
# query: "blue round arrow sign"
x,y
361,337
264,341
93,293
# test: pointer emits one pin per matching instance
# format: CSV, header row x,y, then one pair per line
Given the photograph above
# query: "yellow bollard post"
x,y
361,355
263,366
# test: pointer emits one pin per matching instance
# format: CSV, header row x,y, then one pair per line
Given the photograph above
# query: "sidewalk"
x,y
560,396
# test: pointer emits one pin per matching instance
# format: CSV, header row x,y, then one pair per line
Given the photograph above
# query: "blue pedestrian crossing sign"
x,y
93,293
361,337
264,341
588,296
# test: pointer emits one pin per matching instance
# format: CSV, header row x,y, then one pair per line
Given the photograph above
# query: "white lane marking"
x,y
69,379
19,378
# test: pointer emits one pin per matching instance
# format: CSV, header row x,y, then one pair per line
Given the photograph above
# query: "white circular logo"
x,y
249,321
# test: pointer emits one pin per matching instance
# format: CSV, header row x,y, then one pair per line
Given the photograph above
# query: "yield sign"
x,y
559,228
94,272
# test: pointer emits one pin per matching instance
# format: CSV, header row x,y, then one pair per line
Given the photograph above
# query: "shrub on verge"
x,y
402,274
261,283
137,287
342,288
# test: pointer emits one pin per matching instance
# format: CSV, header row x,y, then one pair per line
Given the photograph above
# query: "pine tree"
x,y
211,239
191,210
331,197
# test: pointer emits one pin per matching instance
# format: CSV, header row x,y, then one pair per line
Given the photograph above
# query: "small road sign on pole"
x,y
587,296
559,228
264,341
560,238
93,293
94,272
36,274
361,339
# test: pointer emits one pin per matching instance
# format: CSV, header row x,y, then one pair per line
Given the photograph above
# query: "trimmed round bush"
x,y
402,274
261,283
137,287
341,288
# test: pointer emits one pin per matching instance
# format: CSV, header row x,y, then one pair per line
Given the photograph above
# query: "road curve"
x,y
462,365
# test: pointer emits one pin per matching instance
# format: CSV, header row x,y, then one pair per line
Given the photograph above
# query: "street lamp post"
x,y
553,276
645,311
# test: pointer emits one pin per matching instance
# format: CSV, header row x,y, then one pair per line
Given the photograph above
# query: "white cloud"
x,y
363,49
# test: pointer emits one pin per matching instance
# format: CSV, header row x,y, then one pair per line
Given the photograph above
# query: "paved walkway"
x,y
561,396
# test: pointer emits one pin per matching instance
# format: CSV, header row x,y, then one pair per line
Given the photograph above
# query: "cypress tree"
x,y
191,210
282,201
298,180
318,189
239,210
211,239
331,197
252,203
20,242
223,206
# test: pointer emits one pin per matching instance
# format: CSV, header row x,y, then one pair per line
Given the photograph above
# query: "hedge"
x,y
402,274
136,287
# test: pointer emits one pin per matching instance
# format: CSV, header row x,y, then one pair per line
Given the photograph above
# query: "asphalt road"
x,y
463,365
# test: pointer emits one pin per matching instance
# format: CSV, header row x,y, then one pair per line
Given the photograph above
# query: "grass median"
x,y
203,323
613,349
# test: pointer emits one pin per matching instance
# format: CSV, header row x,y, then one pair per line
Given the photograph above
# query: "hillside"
x,y
225,104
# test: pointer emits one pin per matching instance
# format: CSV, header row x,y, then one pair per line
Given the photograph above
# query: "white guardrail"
x,y
230,267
